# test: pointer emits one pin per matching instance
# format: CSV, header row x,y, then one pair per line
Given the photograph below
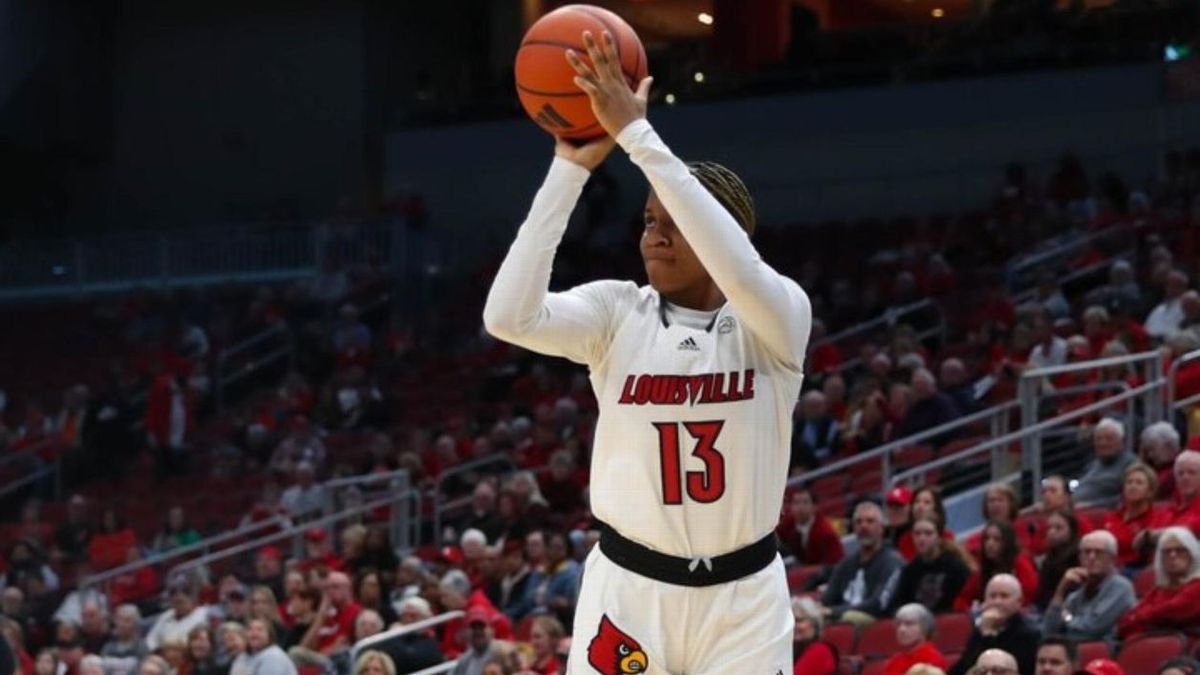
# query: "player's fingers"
x,y
609,48
594,52
643,90
583,69
587,86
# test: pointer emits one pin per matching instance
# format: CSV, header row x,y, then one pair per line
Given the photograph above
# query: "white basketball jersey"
x,y
691,450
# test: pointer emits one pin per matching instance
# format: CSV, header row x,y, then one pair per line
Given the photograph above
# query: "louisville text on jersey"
x,y
690,389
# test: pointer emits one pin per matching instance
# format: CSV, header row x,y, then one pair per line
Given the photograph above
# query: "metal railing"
x,y
440,505
245,365
889,318
203,547
1021,271
405,532
245,253
1030,293
295,534
995,418
417,626
1174,404
35,468
1031,392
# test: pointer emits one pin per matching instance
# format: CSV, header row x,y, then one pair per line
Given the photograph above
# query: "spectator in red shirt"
x,y
1158,446
109,546
1136,514
926,502
334,631
136,586
914,626
544,638
454,593
1001,553
898,509
319,551
812,655
1174,602
1096,328
807,535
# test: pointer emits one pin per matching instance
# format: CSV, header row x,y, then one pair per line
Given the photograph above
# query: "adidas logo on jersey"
x,y
689,345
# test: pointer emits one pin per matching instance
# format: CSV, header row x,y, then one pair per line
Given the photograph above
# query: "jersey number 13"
x,y
702,486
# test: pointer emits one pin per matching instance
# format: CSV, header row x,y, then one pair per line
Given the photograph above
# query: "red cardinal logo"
x,y
612,652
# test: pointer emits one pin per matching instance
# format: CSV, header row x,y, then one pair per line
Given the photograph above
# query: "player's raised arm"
x,y
519,308
773,307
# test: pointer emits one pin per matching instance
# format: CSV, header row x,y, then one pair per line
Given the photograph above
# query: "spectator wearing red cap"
x,y
479,640
319,551
806,535
898,511
454,593
268,570
1102,667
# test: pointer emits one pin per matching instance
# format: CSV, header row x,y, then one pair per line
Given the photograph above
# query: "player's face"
x,y
671,265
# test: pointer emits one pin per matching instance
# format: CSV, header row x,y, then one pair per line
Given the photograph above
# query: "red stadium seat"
x,y
1096,649
1144,655
912,456
799,576
875,667
1144,581
849,665
952,632
828,486
843,637
879,639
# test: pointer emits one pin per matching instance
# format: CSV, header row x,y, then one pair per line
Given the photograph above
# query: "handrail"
x,y
1128,359
23,453
34,476
1035,428
367,643
457,470
902,443
1029,293
365,479
438,669
292,532
888,316
181,551
223,379
37,468
1038,257
1172,403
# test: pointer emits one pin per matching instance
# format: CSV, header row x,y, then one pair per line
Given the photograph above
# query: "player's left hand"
x,y
614,104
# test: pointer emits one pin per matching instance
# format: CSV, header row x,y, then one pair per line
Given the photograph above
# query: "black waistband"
x,y
687,571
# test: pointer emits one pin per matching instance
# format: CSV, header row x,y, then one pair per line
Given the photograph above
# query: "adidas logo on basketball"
x,y
689,345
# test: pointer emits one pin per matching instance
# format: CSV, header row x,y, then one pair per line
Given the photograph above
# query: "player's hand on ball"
x,y
589,154
614,104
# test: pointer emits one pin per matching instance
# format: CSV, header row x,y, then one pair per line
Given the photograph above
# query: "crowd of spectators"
x,y
368,396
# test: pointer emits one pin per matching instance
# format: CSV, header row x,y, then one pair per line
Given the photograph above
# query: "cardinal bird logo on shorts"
x,y
612,652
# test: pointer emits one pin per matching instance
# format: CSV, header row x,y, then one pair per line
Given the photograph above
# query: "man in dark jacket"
x,y
858,588
1001,626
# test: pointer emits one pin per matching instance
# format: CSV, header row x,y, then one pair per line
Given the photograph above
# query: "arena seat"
x,y
798,576
952,631
878,640
843,636
1095,649
1143,656
1144,581
874,667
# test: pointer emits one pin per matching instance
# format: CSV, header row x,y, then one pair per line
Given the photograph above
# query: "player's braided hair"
x,y
728,189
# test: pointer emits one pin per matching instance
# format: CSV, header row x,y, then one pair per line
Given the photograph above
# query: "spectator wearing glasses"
x,y
1090,598
1174,602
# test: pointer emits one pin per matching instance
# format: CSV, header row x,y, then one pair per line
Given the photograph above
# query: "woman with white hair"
x,y
811,654
914,627
1158,446
1174,602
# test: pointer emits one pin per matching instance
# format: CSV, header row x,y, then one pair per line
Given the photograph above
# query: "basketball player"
x,y
696,377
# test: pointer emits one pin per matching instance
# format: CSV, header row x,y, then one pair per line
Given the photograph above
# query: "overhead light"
x,y
670,99
705,18
938,12
698,77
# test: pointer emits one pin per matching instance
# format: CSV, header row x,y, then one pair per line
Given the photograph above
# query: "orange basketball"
x,y
545,81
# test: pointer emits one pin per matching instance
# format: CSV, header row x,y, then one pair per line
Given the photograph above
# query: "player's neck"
x,y
705,298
